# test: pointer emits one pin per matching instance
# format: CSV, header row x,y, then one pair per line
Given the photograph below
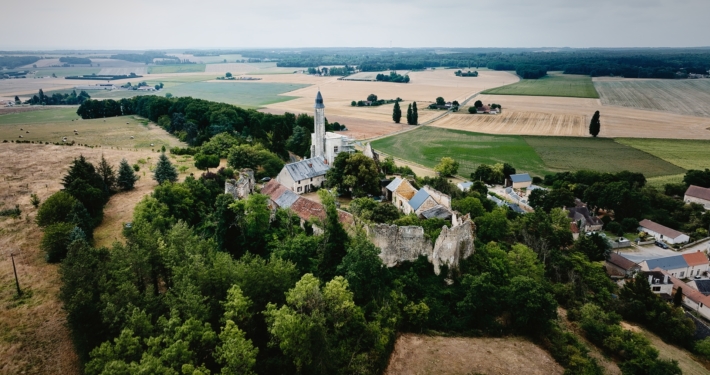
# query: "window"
x,y
656,288
299,189
682,274
335,149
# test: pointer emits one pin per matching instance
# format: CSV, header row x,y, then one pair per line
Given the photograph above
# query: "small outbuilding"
x,y
663,233
699,195
519,181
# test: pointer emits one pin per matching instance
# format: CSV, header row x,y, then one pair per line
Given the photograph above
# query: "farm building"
x,y
305,175
682,266
663,233
580,214
400,191
281,196
519,181
699,195
426,202
617,265
146,88
327,144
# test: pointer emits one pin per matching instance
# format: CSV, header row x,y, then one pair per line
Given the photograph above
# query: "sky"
x,y
177,24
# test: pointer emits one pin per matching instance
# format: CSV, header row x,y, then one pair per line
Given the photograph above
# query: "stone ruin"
x,y
243,186
407,243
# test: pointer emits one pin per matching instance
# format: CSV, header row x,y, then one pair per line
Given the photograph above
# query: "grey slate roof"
x,y
319,101
286,199
465,185
496,200
307,168
703,286
418,199
667,263
437,211
394,184
516,208
520,177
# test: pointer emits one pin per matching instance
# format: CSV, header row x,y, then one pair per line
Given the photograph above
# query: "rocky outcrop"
x,y
405,244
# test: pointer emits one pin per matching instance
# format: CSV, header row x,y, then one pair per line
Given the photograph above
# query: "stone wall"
x,y
405,244
241,187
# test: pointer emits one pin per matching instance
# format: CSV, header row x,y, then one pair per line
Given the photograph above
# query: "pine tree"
x,y
415,114
108,175
595,125
164,170
396,113
41,96
409,115
126,176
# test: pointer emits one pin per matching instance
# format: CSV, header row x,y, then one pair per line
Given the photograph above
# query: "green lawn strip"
x,y
59,114
599,154
659,182
685,153
554,84
428,145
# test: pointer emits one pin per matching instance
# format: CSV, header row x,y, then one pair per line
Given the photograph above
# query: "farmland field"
x,y
109,132
537,155
554,84
518,122
248,68
65,72
687,154
208,59
246,94
603,155
179,68
370,76
685,97
46,114
428,145
140,70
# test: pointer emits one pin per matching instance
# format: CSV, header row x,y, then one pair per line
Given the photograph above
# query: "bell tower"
x,y
318,147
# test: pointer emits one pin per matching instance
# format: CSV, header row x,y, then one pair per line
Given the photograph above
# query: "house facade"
x,y
692,299
660,283
520,181
587,222
304,176
680,266
699,195
663,233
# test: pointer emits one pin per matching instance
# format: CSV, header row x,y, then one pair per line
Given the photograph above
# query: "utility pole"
x,y
17,282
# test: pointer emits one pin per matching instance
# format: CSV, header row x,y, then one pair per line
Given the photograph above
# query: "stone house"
x,y
699,195
681,266
617,265
580,214
305,175
400,191
519,181
281,196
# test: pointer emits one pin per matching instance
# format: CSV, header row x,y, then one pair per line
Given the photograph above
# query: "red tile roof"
x,y
696,259
622,262
573,227
273,189
688,291
658,228
303,207
698,192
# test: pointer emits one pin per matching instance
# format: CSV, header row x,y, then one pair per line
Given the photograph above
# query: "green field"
x,y
244,94
603,155
536,155
180,68
554,84
427,145
51,125
62,114
215,59
687,154
65,72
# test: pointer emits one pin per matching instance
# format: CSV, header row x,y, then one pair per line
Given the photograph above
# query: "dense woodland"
x,y
206,284
630,63
57,98
75,60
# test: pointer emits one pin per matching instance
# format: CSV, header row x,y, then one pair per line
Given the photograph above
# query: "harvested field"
x,y
371,76
554,84
599,154
423,89
419,354
65,72
687,154
245,94
125,71
516,122
248,68
684,97
208,59
615,121
179,68
427,145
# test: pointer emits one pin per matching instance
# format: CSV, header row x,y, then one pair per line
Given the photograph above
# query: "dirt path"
x,y
420,354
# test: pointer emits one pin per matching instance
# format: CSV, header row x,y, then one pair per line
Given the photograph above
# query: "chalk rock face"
x,y
453,245
400,244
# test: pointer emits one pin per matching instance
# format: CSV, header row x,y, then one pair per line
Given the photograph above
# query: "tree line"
x,y
57,98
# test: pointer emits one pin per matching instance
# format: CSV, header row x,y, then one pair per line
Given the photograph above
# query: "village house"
x,y
428,203
519,181
580,214
660,283
663,233
304,176
692,299
281,196
619,266
699,195
400,191
681,266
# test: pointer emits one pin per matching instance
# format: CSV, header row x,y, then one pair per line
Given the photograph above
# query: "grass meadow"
x,y
47,114
243,94
685,153
554,84
179,68
533,154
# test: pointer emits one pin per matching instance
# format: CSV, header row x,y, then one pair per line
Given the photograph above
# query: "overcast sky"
x,y
146,24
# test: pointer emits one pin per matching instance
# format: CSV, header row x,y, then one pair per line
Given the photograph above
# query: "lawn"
x,y
47,114
685,153
428,145
536,155
244,94
554,84
604,155
52,125
179,68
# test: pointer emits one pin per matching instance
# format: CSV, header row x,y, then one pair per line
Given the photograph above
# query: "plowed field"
x,y
684,97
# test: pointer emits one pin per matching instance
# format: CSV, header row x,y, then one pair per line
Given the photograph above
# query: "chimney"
x,y
665,279
650,279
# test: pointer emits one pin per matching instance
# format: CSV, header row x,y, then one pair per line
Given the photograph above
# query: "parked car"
x,y
661,245
266,179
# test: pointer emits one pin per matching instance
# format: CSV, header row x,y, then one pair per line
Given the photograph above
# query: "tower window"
x,y
335,149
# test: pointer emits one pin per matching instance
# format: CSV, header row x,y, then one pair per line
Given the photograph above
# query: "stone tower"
x,y
318,147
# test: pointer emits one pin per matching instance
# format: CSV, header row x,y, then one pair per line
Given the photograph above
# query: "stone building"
x,y
241,187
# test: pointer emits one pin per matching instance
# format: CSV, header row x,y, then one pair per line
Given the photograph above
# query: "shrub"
x,y
34,200
136,167
55,209
11,212
472,110
615,228
55,241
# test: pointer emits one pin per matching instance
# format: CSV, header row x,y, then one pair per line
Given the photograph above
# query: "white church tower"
x,y
318,141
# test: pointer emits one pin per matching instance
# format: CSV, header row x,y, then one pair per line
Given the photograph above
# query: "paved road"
x,y
641,253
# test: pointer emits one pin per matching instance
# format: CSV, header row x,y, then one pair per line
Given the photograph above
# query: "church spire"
x,y
318,137
319,101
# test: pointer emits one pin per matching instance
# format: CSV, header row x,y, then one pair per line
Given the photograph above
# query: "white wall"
x,y
659,237
705,203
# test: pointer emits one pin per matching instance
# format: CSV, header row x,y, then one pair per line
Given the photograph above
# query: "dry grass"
x,y
419,354
367,122
530,115
684,97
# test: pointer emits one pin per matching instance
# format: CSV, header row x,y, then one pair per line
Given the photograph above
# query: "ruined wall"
x,y
241,187
453,245
399,244
439,197
406,244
